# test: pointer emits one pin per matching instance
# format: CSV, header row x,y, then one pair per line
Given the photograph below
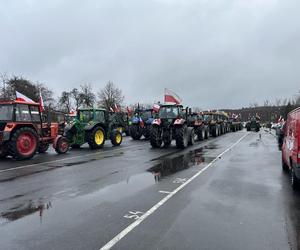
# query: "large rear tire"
x,y
201,134
192,137
96,138
24,143
181,137
136,132
116,138
155,137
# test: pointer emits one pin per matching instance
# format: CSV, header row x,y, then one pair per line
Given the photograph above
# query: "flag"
x,y
155,107
41,101
116,108
170,96
111,109
23,98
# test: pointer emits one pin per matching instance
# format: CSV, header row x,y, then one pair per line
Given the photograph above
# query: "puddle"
x,y
20,211
169,165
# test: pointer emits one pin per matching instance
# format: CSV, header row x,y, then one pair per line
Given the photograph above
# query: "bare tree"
x,y
277,101
65,101
110,96
77,97
267,103
87,96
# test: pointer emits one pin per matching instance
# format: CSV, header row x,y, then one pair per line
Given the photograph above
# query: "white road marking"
x,y
179,180
133,215
133,225
65,159
164,192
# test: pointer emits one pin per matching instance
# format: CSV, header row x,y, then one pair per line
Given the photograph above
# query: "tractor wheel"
x,y
43,148
62,145
192,138
96,138
135,132
4,151
116,138
214,132
167,142
147,132
24,143
206,134
181,137
155,137
201,134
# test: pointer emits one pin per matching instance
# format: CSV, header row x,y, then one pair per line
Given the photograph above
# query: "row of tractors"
x,y
174,122
25,130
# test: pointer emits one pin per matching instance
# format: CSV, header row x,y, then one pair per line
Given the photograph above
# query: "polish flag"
x,y
41,101
170,96
23,98
156,107
116,108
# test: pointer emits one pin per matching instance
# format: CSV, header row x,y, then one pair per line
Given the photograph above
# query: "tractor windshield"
x,y
168,112
146,114
6,112
85,116
207,117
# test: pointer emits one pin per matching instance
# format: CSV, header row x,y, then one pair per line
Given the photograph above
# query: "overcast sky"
x,y
212,53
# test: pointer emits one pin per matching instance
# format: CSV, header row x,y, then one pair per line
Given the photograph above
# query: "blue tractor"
x,y
141,123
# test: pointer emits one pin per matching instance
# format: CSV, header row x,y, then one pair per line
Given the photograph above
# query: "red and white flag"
x,y
111,109
156,107
41,101
23,98
172,97
117,108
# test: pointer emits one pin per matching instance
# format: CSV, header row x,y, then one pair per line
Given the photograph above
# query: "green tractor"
x,y
92,126
253,124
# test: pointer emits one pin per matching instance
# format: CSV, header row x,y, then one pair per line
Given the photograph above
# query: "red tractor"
x,y
172,123
23,131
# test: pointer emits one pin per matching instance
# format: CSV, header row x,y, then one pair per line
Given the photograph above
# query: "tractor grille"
x,y
2,126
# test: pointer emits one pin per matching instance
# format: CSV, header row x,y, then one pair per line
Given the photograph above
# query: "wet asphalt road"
x,y
82,200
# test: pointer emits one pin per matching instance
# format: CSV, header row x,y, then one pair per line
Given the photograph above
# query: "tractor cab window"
x,y
207,117
146,114
168,112
85,116
35,114
100,116
6,112
22,113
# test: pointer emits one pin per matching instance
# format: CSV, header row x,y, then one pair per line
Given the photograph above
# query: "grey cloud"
x,y
214,54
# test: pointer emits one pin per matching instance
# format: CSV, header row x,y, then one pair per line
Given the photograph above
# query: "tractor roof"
x,y
171,105
91,109
11,102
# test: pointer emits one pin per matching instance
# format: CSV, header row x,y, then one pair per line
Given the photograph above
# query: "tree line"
x,y
109,97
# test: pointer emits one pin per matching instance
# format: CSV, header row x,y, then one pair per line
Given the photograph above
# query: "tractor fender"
x,y
156,122
179,121
56,140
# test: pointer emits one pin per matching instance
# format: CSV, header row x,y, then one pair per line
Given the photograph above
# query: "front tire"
x,y
136,132
116,138
62,145
43,148
96,138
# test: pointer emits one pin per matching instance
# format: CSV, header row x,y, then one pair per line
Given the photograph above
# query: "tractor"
x,y
171,123
253,124
141,124
23,132
119,121
196,121
213,122
92,126
235,124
